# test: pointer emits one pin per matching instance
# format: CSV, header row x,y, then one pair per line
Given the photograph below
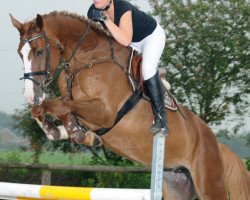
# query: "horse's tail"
x,y
237,177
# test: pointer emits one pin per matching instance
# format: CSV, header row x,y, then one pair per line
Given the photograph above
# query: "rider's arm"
x,y
122,34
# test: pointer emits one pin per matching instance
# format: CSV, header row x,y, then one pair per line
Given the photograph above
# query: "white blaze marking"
x,y
28,91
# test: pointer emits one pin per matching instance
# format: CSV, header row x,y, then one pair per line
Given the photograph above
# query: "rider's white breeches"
x,y
151,49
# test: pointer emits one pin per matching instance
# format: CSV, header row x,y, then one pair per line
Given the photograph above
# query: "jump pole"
x,y
25,191
157,166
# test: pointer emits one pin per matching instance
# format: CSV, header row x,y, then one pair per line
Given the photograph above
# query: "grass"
x,y
67,177
56,157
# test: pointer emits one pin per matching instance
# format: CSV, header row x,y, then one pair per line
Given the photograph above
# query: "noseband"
x,y
45,72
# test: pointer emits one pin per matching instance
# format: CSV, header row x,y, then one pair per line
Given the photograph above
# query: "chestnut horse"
x,y
92,79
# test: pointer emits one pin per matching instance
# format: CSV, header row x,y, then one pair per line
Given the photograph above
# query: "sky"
x,y
11,69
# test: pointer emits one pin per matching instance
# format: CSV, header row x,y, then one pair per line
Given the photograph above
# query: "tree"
x,y
207,55
28,128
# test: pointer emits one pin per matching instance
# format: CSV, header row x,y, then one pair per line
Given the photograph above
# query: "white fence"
x,y
25,191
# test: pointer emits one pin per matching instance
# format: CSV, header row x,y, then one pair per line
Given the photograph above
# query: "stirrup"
x,y
159,126
156,129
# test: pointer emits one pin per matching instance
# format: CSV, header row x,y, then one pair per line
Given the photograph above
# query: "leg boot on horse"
x,y
81,136
69,129
154,90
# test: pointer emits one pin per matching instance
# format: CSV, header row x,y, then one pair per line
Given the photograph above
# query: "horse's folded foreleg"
x,y
69,129
52,132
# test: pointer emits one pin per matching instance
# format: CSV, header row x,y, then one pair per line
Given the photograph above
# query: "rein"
x,y
71,73
79,42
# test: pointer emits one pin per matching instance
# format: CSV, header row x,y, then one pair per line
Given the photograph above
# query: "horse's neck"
x,y
95,46
65,30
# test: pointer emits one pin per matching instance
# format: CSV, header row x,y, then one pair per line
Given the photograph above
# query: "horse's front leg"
x,y
50,107
70,129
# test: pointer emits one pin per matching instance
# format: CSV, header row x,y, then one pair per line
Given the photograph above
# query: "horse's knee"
x,y
38,112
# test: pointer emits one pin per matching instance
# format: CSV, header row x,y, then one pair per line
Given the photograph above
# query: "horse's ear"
x,y
16,23
39,22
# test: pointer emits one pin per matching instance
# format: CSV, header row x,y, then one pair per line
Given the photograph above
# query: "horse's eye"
x,y
39,52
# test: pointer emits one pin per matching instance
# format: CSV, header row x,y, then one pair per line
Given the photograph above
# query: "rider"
x,y
131,27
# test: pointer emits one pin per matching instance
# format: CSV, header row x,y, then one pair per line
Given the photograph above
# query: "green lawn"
x,y
45,157
49,157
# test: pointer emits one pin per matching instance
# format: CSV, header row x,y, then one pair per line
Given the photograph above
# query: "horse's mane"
x,y
94,25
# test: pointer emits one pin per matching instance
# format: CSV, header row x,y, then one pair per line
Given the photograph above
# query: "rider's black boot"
x,y
154,90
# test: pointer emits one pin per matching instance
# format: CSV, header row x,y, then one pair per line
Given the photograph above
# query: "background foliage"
x,y
207,56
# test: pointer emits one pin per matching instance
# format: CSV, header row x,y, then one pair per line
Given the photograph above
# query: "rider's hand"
x,y
98,15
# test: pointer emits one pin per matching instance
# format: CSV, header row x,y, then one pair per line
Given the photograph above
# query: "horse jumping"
x,y
94,87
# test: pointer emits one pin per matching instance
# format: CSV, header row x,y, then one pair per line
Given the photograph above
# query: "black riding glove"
x,y
98,15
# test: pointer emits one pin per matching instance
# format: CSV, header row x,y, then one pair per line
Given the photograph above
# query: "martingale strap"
x,y
129,105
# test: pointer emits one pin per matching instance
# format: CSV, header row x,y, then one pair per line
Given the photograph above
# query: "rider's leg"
x,y
152,48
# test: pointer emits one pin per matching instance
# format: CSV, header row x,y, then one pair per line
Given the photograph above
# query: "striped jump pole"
x,y
32,192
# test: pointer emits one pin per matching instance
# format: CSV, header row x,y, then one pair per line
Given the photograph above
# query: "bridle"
x,y
64,64
47,80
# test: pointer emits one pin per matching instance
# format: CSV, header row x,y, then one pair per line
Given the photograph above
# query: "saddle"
x,y
136,79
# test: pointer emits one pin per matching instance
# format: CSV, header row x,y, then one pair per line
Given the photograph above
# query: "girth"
x,y
128,105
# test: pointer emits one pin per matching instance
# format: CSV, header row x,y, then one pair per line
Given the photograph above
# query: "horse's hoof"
x,y
97,142
91,139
